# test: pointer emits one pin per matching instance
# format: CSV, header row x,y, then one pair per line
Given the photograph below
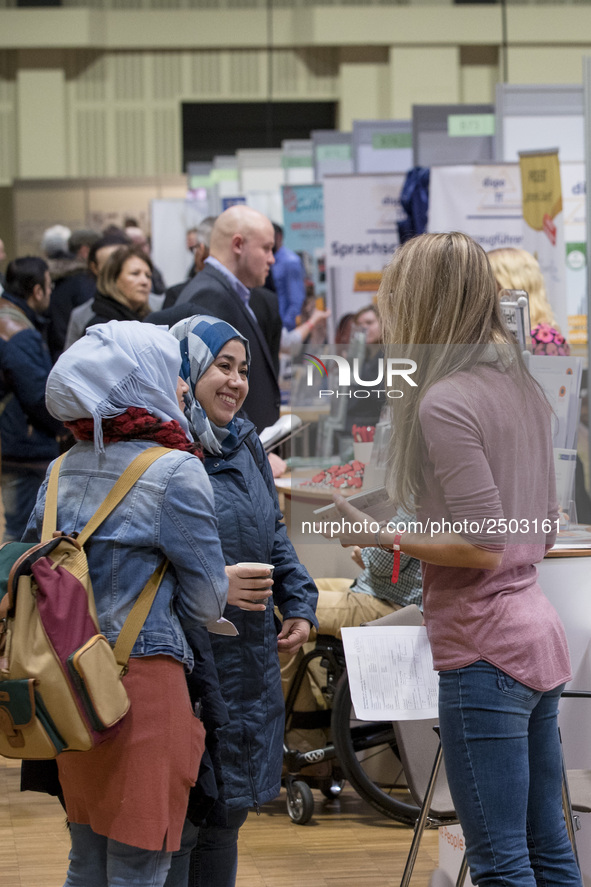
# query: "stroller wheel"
x,y
332,790
300,802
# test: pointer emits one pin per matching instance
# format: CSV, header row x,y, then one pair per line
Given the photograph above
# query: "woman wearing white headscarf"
x,y
118,390
215,364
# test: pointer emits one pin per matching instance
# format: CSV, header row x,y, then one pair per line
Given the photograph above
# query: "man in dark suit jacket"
x,y
241,253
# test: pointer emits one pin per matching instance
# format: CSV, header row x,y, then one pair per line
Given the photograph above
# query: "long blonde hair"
x,y
517,269
438,290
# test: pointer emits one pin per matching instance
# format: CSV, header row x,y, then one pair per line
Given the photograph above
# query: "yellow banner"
x,y
367,281
542,192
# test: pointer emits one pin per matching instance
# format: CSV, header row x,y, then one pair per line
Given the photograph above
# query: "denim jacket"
x,y
169,512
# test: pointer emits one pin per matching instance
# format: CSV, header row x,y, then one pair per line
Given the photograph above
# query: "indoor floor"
x,y
345,845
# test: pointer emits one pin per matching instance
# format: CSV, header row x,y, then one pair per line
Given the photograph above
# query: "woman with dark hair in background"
x,y
123,287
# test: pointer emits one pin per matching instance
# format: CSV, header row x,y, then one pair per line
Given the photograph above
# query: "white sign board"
x,y
361,233
170,219
482,200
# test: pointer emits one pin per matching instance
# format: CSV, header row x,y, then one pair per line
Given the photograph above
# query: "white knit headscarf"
x,y
115,366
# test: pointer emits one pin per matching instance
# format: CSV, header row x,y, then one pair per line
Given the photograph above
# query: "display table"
x,y
565,578
322,557
310,415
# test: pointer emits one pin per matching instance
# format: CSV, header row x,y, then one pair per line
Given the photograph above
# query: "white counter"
x,y
566,582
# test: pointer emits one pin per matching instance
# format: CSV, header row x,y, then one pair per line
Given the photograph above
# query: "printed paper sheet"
x,y
391,674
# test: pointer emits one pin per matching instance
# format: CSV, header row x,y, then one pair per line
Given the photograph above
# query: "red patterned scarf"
x,y
137,424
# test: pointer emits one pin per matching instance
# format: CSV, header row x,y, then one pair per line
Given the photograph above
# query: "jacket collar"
x,y
36,319
111,309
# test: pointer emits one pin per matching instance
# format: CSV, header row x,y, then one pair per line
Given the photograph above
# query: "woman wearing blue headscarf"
x,y
215,362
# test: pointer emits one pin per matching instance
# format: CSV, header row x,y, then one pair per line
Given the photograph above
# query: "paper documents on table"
x,y
390,671
375,502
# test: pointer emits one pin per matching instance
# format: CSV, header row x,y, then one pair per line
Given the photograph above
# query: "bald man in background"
x,y
240,255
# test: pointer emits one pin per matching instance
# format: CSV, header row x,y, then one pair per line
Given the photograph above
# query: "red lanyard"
x,y
396,564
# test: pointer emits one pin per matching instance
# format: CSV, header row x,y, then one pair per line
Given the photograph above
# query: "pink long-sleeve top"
x,y
488,459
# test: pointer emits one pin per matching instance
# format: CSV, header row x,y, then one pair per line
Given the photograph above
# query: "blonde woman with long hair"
x,y
518,270
472,447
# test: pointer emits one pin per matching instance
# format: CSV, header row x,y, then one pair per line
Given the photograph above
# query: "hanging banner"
x,y
482,200
543,224
361,215
303,229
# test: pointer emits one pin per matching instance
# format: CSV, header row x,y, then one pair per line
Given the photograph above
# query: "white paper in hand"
x,y
390,671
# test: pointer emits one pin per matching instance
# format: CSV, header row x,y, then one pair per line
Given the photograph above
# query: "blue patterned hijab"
x,y
201,339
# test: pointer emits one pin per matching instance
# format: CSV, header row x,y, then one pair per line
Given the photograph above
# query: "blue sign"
x,y
303,217
227,202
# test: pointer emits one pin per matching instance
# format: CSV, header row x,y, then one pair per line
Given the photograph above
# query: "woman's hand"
x,y
356,557
247,589
294,633
278,466
442,549
356,527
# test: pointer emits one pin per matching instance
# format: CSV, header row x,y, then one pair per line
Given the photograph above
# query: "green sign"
x,y
333,152
296,162
576,256
223,175
381,141
471,125
199,182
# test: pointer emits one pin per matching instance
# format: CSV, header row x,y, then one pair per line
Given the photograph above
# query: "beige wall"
x,y
82,203
542,64
414,81
41,115
364,88
98,92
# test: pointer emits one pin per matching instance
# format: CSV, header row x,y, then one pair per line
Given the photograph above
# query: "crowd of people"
x,y
89,367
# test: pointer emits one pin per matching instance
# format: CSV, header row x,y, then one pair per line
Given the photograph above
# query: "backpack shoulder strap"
x,y
119,490
50,512
138,615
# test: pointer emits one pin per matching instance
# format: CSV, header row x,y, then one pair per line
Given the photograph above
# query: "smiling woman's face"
x,y
224,385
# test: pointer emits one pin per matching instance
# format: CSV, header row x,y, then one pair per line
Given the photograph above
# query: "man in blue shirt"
x,y
288,277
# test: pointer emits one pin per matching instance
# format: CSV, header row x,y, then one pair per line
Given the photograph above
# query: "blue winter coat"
x,y
250,528
27,430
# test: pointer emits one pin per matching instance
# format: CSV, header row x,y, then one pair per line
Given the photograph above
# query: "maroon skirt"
x,y
134,788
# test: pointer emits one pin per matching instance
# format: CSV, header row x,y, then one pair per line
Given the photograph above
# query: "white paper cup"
x,y
252,564
362,451
264,569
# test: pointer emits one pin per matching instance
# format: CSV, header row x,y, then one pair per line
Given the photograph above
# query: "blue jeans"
x,y
504,768
96,861
209,854
19,494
